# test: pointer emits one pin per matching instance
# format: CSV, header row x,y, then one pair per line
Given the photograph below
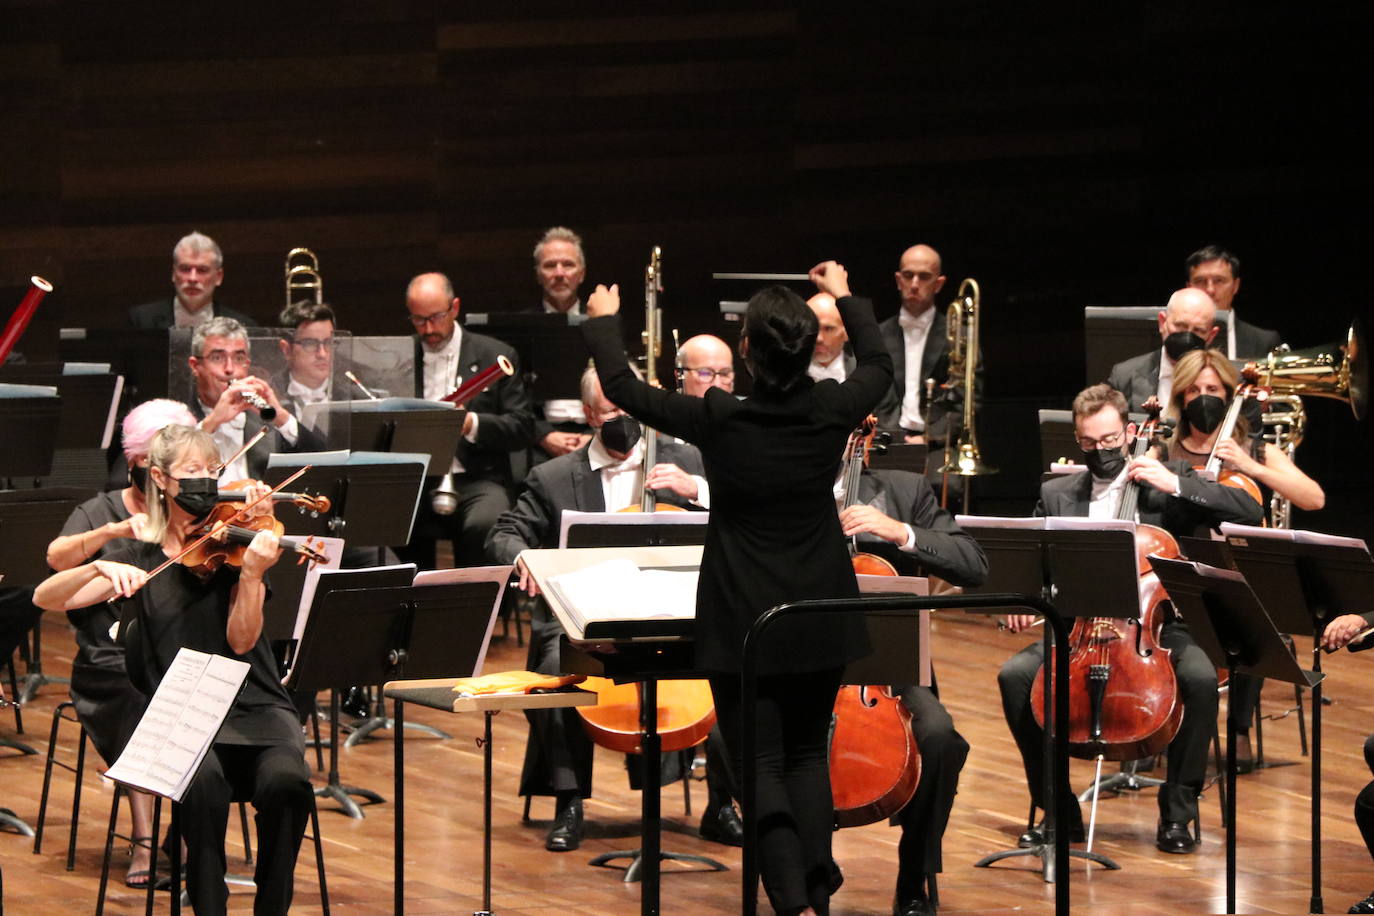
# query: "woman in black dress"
x,y
259,751
107,704
774,537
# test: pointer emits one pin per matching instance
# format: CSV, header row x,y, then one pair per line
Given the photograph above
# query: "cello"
x,y
1123,696
875,764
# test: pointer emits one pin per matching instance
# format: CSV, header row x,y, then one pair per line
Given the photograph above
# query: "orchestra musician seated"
x,y
308,346
606,474
1187,323
197,272
559,266
259,751
834,359
896,515
1216,272
1174,497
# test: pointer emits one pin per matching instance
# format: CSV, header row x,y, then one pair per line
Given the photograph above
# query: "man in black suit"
x,y
1171,496
1216,271
916,339
560,266
833,359
197,271
1187,323
605,473
308,348
897,516
498,421
221,401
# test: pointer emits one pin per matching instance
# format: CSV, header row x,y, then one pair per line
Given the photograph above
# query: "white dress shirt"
x,y
1165,388
915,331
441,378
229,439
835,370
1106,497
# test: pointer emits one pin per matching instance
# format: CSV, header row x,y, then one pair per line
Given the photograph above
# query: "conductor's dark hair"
x,y
1212,253
781,330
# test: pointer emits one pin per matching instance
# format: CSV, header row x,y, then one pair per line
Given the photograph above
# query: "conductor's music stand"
x,y
1082,570
1307,579
1230,624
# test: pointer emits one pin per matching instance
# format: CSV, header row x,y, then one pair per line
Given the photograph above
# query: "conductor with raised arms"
x,y
774,537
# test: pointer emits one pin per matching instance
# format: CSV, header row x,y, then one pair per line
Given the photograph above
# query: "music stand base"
x,y
1046,853
632,871
1123,781
9,819
364,731
340,793
19,746
33,681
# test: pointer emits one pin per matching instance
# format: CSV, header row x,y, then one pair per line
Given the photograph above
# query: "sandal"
x,y
139,879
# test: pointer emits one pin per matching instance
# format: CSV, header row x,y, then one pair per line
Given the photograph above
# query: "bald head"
x,y
919,278
433,308
701,353
831,337
1190,311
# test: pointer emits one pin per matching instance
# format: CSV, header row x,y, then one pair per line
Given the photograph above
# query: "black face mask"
x,y
197,495
138,476
1181,342
1105,463
620,434
1205,412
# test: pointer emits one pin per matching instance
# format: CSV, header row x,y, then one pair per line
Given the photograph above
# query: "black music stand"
x,y
1083,571
432,430
550,348
28,427
140,355
1231,626
424,631
1307,583
370,494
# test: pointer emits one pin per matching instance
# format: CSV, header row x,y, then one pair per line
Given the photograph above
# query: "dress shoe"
x,y
723,826
1036,835
1174,837
354,703
1364,906
566,833
918,906
836,877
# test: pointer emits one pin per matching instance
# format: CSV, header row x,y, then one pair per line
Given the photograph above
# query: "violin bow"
x,y
257,437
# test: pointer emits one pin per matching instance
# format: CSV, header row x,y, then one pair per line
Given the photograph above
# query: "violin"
x,y
1123,696
306,502
875,764
231,535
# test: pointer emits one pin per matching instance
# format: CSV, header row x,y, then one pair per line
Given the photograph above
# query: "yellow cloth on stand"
x,y
514,682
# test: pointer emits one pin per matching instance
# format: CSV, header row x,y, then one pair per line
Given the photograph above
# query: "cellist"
x,y
1174,497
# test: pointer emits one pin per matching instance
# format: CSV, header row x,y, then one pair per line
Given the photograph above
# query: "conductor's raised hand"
x,y
831,277
603,301
123,578
260,555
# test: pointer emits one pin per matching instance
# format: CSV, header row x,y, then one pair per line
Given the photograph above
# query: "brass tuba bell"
x,y
1337,370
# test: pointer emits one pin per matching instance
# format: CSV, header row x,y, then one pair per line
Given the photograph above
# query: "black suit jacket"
x,y
159,314
567,482
1201,506
1137,378
942,547
934,364
771,461
505,420
1254,342
307,440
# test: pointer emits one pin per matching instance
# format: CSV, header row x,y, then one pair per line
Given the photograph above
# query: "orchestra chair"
x,y
63,712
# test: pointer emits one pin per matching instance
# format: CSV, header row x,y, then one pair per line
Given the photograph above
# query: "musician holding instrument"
x,y
308,347
259,751
498,421
896,515
1216,271
197,272
1171,496
607,474
773,537
107,704
232,405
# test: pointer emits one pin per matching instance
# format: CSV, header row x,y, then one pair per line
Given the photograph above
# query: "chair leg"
x,y
1221,771
247,842
525,815
1302,717
109,849
319,854
47,779
14,692
1259,735
76,799
687,788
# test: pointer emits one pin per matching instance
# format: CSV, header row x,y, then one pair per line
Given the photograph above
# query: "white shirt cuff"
x,y
703,492
472,435
290,430
910,545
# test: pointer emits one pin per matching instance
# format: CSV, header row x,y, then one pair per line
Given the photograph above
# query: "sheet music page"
x,y
497,574
1287,534
110,417
1079,523
333,549
180,723
998,521
619,590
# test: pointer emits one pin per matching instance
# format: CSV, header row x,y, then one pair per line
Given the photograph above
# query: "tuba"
x,y
303,276
964,460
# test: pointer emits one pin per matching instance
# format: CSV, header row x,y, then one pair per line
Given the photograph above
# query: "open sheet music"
x,y
605,600
180,723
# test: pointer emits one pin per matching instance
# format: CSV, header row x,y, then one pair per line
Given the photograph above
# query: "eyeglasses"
x,y
313,345
1112,441
220,357
707,375
422,320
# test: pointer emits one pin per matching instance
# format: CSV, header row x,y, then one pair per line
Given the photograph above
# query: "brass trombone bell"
x,y
303,276
1336,370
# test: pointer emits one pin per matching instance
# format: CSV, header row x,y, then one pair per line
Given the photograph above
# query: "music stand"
x,y
550,348
397,425
28,427
1307,578
369,493
1083,569
1230,624
140,355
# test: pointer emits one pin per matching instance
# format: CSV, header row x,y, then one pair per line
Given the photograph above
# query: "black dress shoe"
x,y
1364,906
723,825
1174,837
1036,835
919,906
566,833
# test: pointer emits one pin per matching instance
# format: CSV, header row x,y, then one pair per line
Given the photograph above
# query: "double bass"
x,y
875,764
1123,696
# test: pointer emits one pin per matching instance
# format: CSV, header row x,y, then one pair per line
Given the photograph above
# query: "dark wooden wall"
x,y
1062,154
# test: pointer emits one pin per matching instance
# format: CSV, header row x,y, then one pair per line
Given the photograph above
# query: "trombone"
x,y
303,276
965,460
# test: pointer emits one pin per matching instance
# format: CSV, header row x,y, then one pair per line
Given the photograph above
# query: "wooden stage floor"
x,y
444,820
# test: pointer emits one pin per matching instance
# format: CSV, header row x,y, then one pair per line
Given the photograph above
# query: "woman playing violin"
x,y
259,753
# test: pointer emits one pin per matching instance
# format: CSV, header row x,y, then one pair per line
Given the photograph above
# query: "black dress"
x,y
107,704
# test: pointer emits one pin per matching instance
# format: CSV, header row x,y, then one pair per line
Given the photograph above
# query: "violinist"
x,y
898,516
1205,383
259,751
604,474
106,702
1174,497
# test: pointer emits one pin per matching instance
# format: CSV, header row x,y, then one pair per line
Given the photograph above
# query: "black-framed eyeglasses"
x,y
313,345
1113,441
707,375
421,320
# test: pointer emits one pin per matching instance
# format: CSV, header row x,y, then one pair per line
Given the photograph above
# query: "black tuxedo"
x,y
1254,342
1201,505
558,755
160,314
307,440
1137,378
942,548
